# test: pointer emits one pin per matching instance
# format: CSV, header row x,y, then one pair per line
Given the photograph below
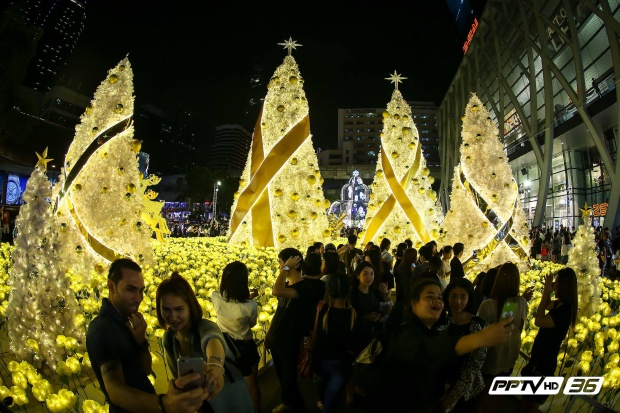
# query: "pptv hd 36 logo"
x,y
541,385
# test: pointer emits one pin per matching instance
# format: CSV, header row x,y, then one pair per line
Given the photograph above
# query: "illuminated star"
x,y
43,160
585,211
396,79
290,44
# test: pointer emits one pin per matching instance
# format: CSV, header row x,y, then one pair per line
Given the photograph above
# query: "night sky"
x,y
200,54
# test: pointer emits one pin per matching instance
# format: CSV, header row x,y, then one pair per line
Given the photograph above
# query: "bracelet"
x,y
160,402
220,366
218,358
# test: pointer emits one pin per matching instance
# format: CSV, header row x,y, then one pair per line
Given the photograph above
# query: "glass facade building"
x,y
547,73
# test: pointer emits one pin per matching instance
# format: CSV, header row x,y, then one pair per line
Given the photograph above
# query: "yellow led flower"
x,y
32,345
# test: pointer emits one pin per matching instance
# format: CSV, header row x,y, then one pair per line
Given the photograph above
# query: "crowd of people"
x,y
442,338
188,229
554,245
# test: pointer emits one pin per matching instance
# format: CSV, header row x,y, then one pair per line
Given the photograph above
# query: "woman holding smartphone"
x,y
554,319
188,336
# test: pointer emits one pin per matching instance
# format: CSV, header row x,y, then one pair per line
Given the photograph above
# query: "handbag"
x,y
305,367
371,352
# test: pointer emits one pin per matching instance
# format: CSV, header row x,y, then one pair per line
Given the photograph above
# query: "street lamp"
x,y
216,187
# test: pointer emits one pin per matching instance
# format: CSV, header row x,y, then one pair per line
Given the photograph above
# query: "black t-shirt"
x,y
548,340
108,339
404,278
407,377
294,317
337,342
365,304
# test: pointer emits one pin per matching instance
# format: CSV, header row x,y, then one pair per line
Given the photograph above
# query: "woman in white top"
x,y
446,257
237,313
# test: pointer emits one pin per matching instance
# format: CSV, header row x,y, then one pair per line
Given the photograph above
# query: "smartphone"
x,y
191,365
509,309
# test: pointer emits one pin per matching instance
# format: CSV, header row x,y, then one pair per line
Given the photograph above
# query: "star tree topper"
x,y
585,211
396,79
43,160
290,44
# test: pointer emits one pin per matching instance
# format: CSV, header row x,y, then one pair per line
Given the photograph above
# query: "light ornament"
x,y
480,196
261,215
401,191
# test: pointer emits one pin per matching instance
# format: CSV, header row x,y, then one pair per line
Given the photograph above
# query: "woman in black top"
x,y
463,377
332,349
366,304
406,377
554,318
404,273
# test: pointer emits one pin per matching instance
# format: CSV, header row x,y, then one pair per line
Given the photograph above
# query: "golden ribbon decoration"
x,y
255,197
398,195
503,229
94,243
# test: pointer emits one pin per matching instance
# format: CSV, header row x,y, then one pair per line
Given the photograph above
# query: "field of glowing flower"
x,y
593,350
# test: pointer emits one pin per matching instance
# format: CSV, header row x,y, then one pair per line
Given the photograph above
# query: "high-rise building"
x,y
230,148
359,135
60,24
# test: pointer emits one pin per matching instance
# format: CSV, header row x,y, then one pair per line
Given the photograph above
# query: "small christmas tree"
x,y
41,305
402,203
100,199
280,200
582,258
485,213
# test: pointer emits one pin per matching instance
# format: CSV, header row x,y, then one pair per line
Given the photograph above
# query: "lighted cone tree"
x,y
402,203
582,258
100,195
280,200
485,213
41,305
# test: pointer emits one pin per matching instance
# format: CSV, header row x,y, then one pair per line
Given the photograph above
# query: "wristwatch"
x,y
286,268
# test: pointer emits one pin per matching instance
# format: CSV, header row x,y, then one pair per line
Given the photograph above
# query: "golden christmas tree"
x,y
402,203
100,196
280,200
485,213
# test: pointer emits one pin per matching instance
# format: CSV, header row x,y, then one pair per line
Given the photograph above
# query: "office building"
x,y
59,25
230,148
547,73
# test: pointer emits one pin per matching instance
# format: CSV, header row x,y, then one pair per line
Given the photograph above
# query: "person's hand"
x,y
293,262
177,400
497,333
253,293
137,327
446,404
214,380
548,285
528,293
383,289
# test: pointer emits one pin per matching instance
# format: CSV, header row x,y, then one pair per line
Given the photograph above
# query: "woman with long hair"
x,y
365,303
406,378
386,257
464,379
380,285
500,360
554,319
237,313
400,250
331,265
189,335
332,348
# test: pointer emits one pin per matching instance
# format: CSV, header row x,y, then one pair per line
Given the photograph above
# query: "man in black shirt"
x,y
119,351
297,302
456,267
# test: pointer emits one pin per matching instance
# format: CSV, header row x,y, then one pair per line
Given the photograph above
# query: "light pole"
x,y
216,187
